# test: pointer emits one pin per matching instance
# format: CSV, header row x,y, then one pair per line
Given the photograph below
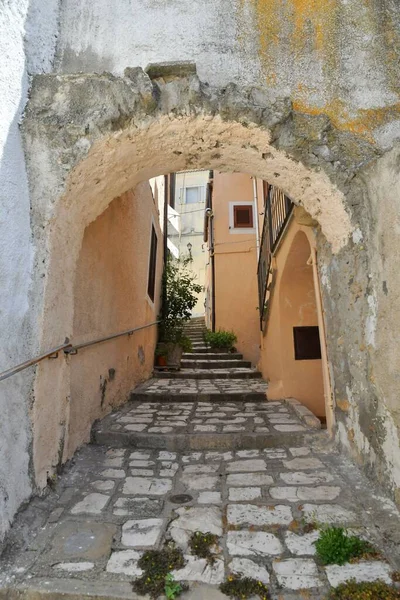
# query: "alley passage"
x,y
199,451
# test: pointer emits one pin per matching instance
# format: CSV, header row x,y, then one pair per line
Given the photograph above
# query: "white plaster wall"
x,y
99,36
27,42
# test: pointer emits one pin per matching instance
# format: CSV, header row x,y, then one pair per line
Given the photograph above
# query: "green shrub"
x,y
220,339
377,590
241,588
335,546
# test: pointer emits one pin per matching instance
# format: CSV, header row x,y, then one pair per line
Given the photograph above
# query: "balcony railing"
x,y
277,211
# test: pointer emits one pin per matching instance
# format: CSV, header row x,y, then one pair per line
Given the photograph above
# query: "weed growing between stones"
x,y
241,588
157,566
201,545
376,590
335,546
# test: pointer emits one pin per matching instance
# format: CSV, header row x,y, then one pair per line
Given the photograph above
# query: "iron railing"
x,y
277,211
68,348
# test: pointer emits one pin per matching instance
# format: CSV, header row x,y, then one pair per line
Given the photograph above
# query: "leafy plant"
x,y
201,545
161,350
181,297
376,590
172,588
220,339
244,587
335,546
156,566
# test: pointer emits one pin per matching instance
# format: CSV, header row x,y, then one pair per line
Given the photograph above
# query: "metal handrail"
x,y
68,348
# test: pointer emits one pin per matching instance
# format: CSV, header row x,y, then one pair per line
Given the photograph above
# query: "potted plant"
x,y
181,298
161,354
221,340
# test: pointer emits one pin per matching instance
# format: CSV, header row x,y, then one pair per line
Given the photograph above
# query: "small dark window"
x,y
152,264
243,216
306,343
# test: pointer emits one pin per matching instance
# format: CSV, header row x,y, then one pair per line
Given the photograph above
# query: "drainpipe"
x,y
255,195
330,415
212,260
165,245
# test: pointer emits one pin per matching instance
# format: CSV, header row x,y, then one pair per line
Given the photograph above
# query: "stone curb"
x,y
304,413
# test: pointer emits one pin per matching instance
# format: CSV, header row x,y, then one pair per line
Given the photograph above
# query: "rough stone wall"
x,y
27,43
329,56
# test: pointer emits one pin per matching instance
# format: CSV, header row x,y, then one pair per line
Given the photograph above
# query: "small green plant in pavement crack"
x,y
335,546
172,588
157,578
376,590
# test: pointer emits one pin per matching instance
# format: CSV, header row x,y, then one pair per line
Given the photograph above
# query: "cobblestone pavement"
x,y
204,417
111,505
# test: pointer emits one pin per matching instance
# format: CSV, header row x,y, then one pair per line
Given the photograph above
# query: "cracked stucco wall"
x,y
27,44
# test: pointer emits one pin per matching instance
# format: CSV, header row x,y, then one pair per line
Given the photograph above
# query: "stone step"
x,y
212,355
195,425
215,364
198,396
209,374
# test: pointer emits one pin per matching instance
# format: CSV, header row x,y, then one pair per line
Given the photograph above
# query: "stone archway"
x,y
89,138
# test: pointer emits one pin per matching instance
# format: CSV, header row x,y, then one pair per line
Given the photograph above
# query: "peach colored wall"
x,y
235,266
293,304
110,296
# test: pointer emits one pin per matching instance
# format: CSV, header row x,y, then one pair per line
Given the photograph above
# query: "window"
x,y
193,194
152,265
243,216
306,343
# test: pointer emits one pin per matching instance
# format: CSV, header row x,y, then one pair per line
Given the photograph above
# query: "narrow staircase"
x,y
216,401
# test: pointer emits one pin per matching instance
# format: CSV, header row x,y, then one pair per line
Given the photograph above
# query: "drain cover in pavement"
x,y
181,499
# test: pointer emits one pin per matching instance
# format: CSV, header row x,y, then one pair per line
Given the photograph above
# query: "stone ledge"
x,y
304,413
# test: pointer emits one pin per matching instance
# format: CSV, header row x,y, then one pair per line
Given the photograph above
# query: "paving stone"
x,y
249,543
199,482
328,514
248,568
139,486
139,455
74,567
209,498
160,429
114,473
163,455
292,494
141,533
218,456
299,464
296,452
138,508
198,569
275,453
233,428
201,469
192,457
80,541
249,514
249,479
141,463
297,573
300,478
192,519
361,571
302,544
125,562
205,428
247,466
288,428
144,472
55,515
136,427
91,504
103,486
112,452
114,462
248,453
249,493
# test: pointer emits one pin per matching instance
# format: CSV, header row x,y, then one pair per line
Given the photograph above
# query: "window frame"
x,y
152,264
241,230
202,189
